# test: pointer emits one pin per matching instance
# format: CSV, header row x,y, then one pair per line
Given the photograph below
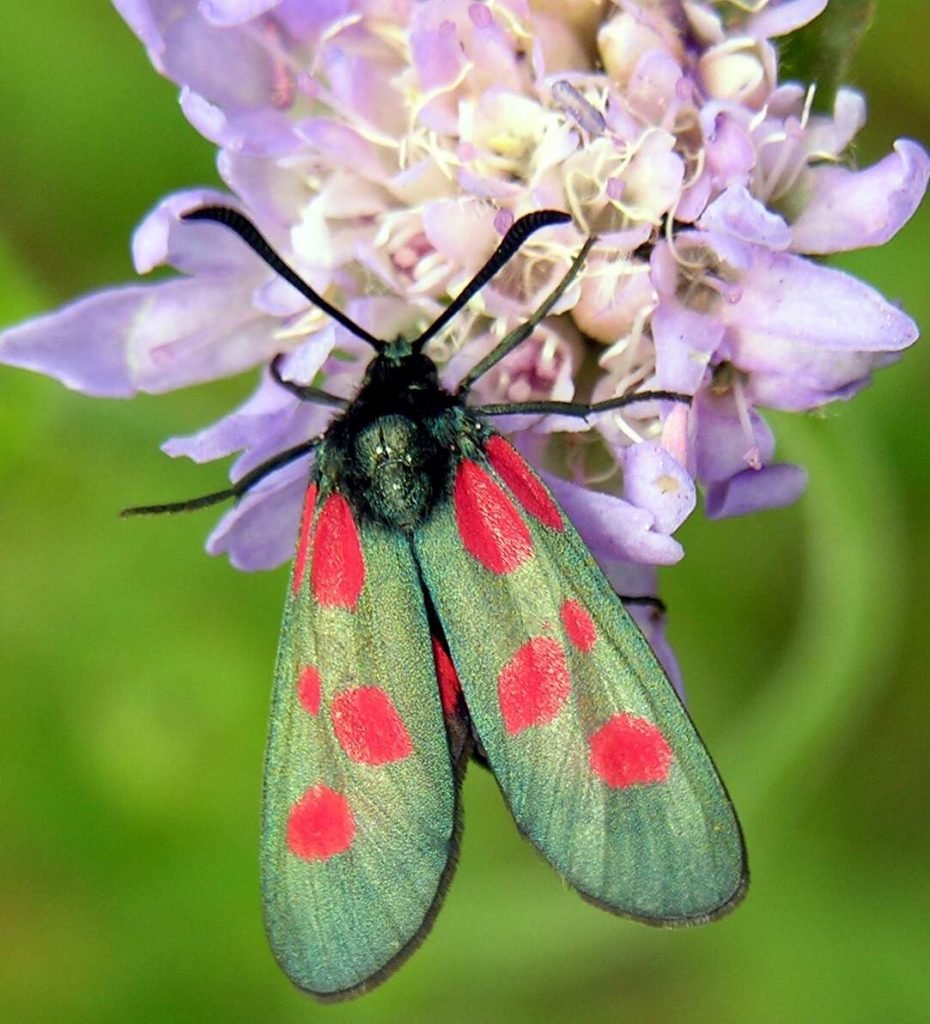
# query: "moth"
x,y
442,607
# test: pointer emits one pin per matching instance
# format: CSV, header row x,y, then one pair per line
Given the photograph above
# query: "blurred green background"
x,y
136,670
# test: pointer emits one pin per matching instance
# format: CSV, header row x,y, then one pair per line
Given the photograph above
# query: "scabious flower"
x,y
384,146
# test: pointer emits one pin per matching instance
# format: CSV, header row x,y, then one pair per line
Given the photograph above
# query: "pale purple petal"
x,y
362,83
725,443
334,140
731,153
461,231
201,57
209,119
267,423
853,209
694,198
261,531
321,248
145,338
346,195
194,330
141,18
278,299
813,378
269,191
676,434
440,29
740,215
826,137
653,92
270,421
533,423
263,290
83,344
258,415
754,490
613,297
684,343
491,50
783,16
303,422
234,12
162,238
612,527
684,339
792,309
487,188
384,316
234,88
652,182
309,20
733,256
261,132
663,269
437,55
417,179
654,481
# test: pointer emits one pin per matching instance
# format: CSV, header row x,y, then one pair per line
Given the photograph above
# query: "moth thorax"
x,y
402,466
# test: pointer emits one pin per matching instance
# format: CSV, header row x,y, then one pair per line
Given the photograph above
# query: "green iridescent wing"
x,y
596,756
360,801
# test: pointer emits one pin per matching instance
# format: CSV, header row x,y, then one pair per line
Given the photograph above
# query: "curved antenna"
x,y
519,231
257,242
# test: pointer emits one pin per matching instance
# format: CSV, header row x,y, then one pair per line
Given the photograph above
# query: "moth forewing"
x,y
360,795
599,761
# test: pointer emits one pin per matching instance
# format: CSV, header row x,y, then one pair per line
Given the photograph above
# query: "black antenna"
x,y
257,242
519,231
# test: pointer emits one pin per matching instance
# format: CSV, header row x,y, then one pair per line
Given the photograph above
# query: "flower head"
x,y
384,146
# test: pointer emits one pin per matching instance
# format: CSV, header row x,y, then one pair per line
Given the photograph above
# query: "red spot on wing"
x,y
489,524
337,566
303,538
368,726
309,690
533,685
579,626
528,489
320,824
450,689
629,751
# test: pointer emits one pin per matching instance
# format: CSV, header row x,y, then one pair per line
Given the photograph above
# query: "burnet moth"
x,y
441,607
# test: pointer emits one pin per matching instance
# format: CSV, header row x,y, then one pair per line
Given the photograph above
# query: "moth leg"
x,y
304,392
582,410
240,487
655,603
